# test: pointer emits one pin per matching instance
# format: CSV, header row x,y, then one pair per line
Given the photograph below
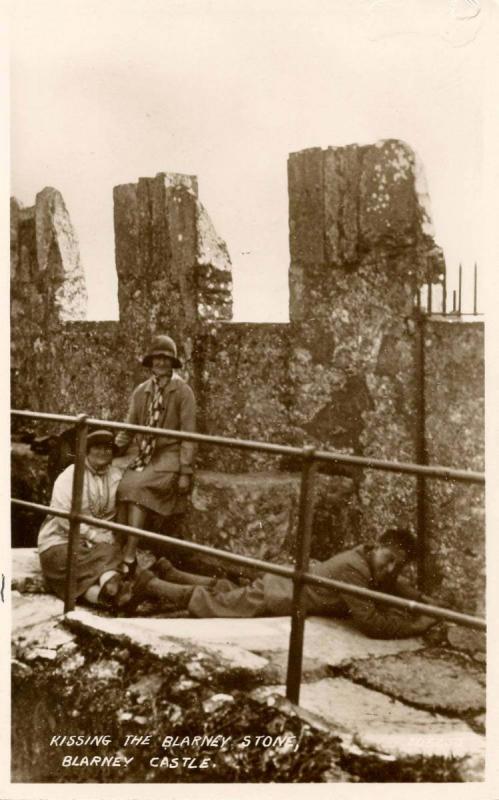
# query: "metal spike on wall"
x,y
475,285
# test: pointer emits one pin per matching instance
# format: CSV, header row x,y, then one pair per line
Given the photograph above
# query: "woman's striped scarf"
x,y
148,442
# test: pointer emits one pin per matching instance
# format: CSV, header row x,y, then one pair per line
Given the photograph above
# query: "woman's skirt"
x,y
91,562
156,491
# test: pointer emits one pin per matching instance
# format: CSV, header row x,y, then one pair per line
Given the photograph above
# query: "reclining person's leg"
x,y
247,601
165,570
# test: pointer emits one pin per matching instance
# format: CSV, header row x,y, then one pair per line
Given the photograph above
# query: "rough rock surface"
x,y
419,679
341,375
173,268
214,271
456,512
223,658
384,724
467,639
26,573
244,391
359,248
29,481
47,289
256,514
158,675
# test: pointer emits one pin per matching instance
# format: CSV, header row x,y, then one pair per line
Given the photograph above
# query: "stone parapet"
x,y
342,375
244,391
454,381
256,514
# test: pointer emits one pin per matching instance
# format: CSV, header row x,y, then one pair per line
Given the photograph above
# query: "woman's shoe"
x,y
124,595
117,592
129,568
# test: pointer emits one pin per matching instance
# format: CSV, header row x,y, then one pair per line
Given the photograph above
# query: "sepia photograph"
x,y
249,284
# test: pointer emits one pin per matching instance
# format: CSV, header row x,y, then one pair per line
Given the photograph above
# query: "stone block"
x,y
389,208
386,725
466,639
256,514
58,255
244,391
456,513
29,481
306,206
31,610
418,678
26,571
221,659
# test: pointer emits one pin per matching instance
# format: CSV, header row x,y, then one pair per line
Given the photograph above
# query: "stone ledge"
x,y
418,678
380,723
225,659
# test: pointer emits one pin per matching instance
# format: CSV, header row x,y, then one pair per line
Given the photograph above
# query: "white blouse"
x,y
98,499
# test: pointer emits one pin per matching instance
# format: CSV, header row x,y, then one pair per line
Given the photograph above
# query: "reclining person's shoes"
x,y
165,570
148,586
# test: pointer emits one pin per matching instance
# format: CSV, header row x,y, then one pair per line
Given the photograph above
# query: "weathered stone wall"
x,y
174,272
173,269
454,396
244,390
341,375
256,514
360,246
47,289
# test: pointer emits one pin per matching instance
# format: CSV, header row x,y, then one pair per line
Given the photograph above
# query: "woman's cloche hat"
x,y
99,437
162,346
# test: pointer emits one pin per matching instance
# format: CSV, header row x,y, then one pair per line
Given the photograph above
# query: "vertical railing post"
x,y
421,454
299,609
460,290
475,291
74,524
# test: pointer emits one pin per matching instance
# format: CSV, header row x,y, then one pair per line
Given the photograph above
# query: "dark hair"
x,y
402,538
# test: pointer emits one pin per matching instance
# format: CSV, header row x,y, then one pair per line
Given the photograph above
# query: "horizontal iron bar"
x,y
454,314
266,566
44,415
443,473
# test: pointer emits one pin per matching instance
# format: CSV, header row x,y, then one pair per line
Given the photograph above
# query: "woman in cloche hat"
x,y
159,477
99,574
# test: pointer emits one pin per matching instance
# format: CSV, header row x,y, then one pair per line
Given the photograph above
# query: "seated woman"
x,y
98,562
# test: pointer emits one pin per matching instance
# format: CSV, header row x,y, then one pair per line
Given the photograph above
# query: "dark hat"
x,y
403,539
99,437
162,346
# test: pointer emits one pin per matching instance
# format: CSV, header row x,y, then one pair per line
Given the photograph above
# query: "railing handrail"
x,y
413,606
299,575
402,467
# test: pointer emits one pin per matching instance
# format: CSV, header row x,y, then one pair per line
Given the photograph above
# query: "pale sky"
x,y
104,92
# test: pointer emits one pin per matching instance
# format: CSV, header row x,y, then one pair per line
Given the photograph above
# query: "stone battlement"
x,y
342,374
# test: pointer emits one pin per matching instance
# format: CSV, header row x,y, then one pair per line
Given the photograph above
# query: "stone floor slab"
x,y
387,725
437,680
31,609
26,573
161,640
327,641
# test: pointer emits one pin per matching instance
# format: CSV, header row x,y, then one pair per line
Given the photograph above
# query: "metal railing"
x,y
426,302
299,574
